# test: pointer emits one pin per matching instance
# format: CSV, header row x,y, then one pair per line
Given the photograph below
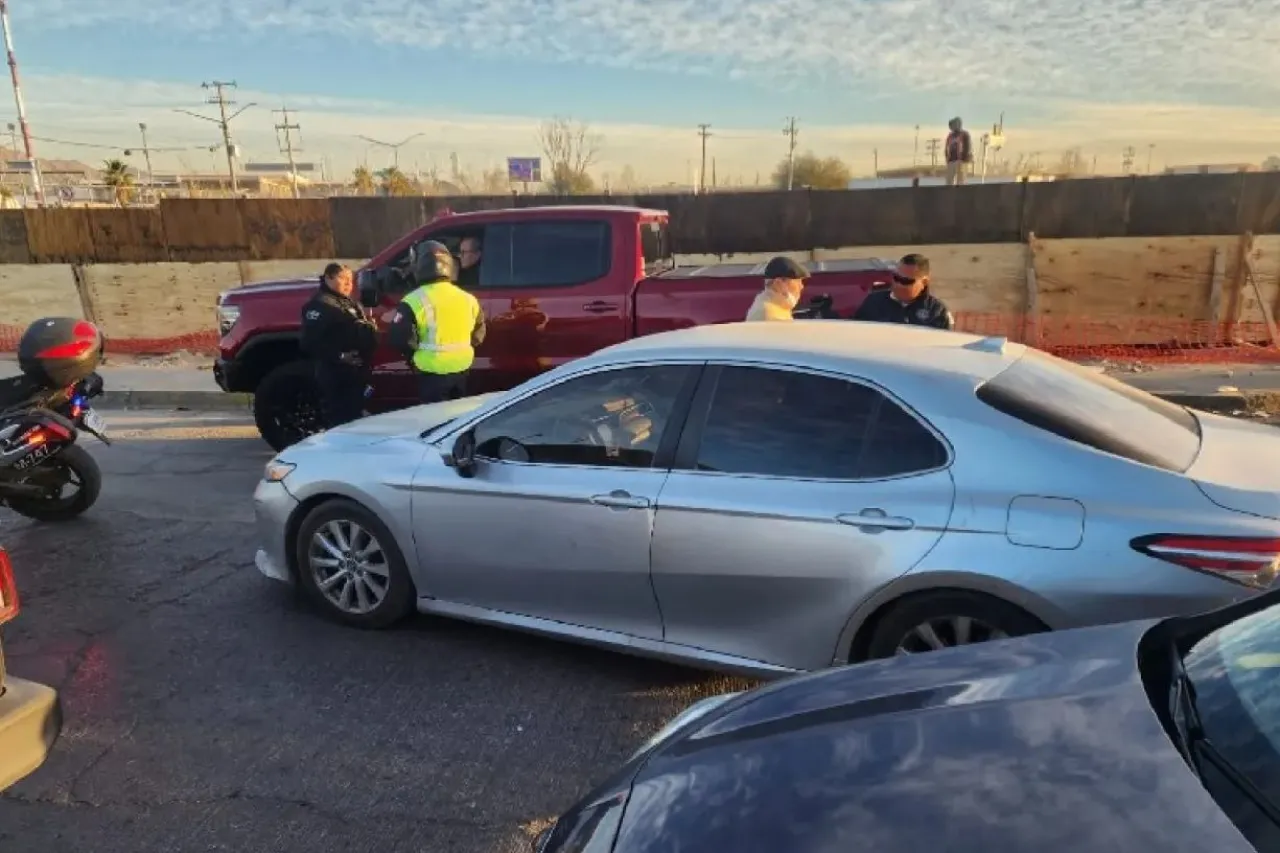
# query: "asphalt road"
x,y
208,710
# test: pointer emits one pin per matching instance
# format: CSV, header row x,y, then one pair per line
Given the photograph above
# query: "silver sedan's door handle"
x,y
620,499
874,520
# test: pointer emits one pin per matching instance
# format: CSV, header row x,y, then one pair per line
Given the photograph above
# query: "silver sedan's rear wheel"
x,y
350,565
942,619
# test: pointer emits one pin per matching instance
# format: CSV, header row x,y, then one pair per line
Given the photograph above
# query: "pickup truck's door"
x,y
553,290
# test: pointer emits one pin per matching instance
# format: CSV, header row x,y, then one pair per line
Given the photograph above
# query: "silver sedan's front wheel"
x,y
934,635
933,620
349,564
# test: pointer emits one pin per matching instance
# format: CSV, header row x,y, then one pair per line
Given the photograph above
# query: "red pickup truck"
x,y
555,283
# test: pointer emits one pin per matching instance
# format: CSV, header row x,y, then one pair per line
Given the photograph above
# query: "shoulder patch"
x,y
313,314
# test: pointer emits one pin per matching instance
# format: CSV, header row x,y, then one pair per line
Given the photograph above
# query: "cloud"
x,y
105,112
1222,51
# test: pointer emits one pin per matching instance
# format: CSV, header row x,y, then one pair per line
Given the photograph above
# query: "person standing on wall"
x,y
959,150
907,300
437,326
783,283
340,340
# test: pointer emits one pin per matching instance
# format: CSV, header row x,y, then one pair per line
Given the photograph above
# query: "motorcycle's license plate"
x,y
33,457
95,423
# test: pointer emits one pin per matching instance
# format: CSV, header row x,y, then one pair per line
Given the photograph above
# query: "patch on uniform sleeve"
x,y
313,314
922,314
396,317
951,320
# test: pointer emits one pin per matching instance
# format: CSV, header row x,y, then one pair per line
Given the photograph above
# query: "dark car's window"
x,y
554,253
781,423
1236,674
1091,408
612,418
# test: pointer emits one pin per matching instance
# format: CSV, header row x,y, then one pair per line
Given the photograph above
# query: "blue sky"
x,y
859,74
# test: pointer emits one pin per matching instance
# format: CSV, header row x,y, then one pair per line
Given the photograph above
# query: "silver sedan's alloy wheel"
x,y
349,566
947,632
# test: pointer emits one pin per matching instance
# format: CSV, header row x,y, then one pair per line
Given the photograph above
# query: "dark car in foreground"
x,y
1159,736
30,713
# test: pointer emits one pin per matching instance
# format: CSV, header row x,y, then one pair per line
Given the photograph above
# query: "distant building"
x,y
1210,169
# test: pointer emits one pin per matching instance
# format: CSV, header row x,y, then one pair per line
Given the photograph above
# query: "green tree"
x,y
363,181
116,175
819,173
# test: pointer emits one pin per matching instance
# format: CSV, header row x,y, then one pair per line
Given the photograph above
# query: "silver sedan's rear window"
x,y
1093,409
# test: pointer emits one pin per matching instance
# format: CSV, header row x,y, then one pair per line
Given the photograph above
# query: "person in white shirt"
x,y
783,283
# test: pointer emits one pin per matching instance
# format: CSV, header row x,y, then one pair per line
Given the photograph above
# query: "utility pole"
x,y
704,130
146,154
915,150
288,148
223,122
790,131
932,146
1151,148
1126,162
36,183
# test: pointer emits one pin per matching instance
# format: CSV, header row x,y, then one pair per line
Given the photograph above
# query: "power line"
x,y
704,130
394,146
792,132
288,148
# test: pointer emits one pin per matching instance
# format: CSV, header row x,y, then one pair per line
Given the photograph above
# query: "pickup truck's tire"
x,y
286,405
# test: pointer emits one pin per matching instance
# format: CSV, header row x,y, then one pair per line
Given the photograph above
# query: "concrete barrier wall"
x,y
1114,291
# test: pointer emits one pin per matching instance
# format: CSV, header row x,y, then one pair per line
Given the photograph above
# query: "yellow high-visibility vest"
x,y
445,316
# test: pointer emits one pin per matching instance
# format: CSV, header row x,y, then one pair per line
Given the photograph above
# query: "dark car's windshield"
x,y
1235,673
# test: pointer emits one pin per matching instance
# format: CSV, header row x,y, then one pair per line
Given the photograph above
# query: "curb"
x,y
195,401
1218,404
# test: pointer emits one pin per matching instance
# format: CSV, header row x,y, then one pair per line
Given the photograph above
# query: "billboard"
x,y
277,167
526,170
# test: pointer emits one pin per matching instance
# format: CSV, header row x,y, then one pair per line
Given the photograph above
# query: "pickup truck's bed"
x,y
698,295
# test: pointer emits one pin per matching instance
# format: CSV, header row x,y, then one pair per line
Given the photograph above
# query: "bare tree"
x,y
570,148
1072,164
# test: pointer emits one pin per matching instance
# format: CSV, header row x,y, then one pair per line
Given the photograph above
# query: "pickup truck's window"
x,y
552,253
611,418
1092,409
655,247
780,423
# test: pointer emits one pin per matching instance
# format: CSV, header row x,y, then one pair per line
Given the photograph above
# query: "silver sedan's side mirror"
x,y
462,458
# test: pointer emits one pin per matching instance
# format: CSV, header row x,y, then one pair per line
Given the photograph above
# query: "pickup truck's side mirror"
x,y
367,282
462,458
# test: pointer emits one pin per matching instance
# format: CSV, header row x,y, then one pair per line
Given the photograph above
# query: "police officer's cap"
x,y
434,263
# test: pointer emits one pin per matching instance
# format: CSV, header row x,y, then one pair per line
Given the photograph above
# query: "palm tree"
x,y
363,180
115,174
395,182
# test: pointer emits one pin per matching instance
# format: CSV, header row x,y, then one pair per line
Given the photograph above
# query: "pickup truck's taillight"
x,y
8,589
1248,560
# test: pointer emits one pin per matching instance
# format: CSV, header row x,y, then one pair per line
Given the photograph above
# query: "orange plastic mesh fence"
x,y
1080,338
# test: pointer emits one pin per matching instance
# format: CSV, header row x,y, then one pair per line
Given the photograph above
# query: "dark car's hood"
x,y
1044,744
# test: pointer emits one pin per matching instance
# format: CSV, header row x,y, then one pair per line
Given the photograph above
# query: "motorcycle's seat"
x,y
17,390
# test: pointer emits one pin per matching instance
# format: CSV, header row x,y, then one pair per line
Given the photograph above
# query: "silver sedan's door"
x,y
557,521
800,495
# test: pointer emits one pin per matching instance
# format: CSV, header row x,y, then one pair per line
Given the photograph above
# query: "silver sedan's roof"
x,y
895,348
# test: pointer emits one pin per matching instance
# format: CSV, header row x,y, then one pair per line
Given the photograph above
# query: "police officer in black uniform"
x,y
907,300
340,339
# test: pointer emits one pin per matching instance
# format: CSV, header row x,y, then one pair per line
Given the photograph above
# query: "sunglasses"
x,y
904,280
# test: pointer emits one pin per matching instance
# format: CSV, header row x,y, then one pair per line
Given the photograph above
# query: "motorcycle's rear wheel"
x,y
73,467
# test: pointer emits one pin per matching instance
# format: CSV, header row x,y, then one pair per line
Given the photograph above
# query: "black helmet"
x,y
433,262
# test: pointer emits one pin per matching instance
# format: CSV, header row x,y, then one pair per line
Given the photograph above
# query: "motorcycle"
x,y
820,307
41,413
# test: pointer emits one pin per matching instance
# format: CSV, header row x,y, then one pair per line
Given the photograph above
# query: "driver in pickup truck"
x,y
438,326
783,283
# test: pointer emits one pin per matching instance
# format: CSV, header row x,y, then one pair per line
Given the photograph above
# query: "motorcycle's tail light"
x,y
1252,561
8,589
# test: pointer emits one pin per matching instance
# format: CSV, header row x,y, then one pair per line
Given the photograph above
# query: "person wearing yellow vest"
x,y
438,326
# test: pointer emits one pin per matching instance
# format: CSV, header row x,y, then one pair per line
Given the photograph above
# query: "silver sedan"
x,y
773,497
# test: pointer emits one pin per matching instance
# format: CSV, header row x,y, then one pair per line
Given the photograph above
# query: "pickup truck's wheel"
x,y
286,405
350,566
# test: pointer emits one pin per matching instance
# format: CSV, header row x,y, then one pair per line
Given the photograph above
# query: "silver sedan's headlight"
x,y
695,711
277,470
